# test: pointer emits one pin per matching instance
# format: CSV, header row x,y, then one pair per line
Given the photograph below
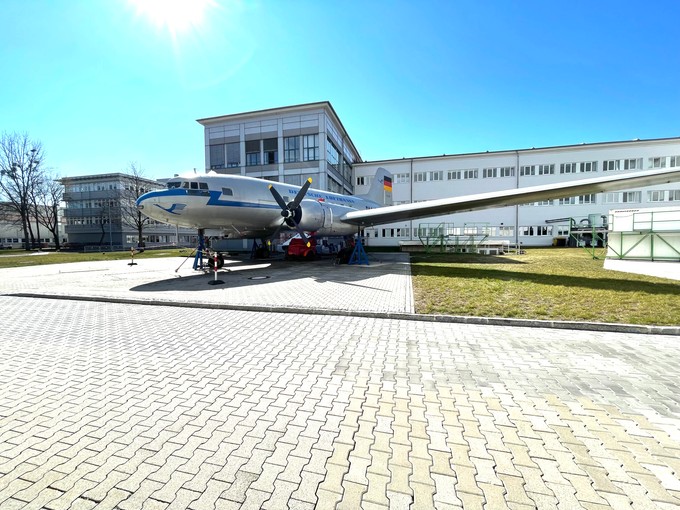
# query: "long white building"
x,y
291,143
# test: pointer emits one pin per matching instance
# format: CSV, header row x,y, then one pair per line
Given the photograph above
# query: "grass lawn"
x,y
21,258
544,283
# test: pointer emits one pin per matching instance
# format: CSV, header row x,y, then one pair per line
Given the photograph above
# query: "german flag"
x,y
387,184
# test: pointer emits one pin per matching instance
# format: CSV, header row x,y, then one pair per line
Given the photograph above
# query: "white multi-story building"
x,y
426,178
286,144
289,144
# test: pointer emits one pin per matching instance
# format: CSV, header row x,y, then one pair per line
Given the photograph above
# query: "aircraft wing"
x,y
513,196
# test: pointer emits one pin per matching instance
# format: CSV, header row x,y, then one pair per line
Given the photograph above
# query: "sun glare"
x,y
175,16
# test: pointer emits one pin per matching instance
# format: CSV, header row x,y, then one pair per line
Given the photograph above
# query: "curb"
x,y
484,321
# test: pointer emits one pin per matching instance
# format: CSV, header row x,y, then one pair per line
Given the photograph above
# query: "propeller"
x,y
289,210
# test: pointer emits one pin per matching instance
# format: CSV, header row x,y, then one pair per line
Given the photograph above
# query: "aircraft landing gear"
x,y
260,251
198,260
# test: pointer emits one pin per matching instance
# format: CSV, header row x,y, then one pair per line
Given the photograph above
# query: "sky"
x,y
102,84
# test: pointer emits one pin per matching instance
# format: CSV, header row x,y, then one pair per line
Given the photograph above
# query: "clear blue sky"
x,y
101,83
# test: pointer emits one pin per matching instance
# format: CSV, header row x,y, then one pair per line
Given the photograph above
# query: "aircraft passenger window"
x,y
203,185
227,191
185,185
194,185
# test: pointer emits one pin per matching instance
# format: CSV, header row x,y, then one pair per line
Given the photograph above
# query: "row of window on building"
x,y
102,220
101,186
528,170
617,197
163,238
266,152
295,149
11,241
89,204
465,232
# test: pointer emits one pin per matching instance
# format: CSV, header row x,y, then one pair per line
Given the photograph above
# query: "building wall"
x,y
12,234
429,178
244,144
93,214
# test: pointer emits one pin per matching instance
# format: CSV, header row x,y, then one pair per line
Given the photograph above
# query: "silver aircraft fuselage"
x,y
244,206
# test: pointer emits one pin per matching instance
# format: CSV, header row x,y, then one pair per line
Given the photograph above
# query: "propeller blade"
x,y
300,195
302,235
279,199
278,229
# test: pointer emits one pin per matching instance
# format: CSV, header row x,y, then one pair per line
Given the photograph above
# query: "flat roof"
x,y
529,150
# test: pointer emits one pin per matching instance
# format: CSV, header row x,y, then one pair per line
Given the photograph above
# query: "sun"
x,y
175,16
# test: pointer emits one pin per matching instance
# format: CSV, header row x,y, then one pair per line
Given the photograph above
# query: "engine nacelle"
x,y
322,218
310,216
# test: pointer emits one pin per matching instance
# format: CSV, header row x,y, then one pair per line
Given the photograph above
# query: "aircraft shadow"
x,y
249,273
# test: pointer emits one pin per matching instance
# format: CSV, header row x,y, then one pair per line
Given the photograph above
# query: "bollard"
x,y
132,254
215,281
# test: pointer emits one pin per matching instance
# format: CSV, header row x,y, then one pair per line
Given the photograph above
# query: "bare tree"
x,y
48,197
135,186
20,170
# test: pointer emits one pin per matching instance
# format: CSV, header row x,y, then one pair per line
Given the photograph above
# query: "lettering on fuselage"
x,y
335,198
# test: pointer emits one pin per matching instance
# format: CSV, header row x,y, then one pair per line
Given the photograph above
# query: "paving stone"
x,y
384,413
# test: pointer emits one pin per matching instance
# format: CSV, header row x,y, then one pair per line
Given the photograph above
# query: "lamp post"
x,y
32,166
55,210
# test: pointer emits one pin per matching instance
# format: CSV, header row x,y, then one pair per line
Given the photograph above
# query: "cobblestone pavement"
x,y
383,286
109,405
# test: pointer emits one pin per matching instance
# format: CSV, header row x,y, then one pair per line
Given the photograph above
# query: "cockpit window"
x,y
185,185
175,184
228,191
194,185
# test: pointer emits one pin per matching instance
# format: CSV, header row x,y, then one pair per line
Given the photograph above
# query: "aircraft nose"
x,y
145,201
140,202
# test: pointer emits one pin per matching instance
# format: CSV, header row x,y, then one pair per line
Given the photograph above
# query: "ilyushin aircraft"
x,y
246,207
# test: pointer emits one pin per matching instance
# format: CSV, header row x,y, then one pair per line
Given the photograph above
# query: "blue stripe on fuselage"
x,y
215,198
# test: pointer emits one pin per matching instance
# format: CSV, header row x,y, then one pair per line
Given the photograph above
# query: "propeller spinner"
x,y
289,210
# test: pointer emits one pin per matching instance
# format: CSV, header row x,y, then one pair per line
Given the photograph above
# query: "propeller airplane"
x,y
246,207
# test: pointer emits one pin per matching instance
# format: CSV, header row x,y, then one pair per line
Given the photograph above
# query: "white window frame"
x,y
611,165
632,164
631,197
658,162
588,166
656,196
490,173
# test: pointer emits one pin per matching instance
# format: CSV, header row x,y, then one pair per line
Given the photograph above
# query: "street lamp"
x,y
32,165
